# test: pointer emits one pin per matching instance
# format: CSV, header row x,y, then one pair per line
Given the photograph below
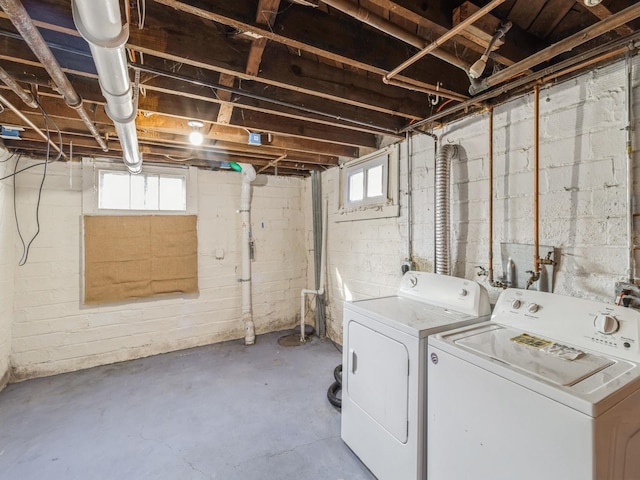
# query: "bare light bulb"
x,y
592,3
196,138
477,68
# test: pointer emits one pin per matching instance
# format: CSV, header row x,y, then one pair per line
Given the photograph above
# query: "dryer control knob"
x,y
464,292
516,304
533,307
606,324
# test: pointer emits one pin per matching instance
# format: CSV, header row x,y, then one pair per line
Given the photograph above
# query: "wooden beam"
x,y
550,16
602,12
226,109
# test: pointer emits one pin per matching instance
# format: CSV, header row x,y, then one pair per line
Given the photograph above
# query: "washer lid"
x,y
543,358
581,379
411,316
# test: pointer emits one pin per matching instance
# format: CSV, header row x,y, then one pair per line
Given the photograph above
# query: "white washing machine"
x,y
549,388
384,368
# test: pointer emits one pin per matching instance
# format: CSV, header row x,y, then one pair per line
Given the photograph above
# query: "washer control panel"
x,y
575,321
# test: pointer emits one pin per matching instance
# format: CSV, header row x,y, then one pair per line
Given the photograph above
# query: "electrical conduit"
x,y
442,201
248,176
101,26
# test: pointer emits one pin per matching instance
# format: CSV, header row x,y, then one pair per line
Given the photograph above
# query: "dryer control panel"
x,y
584,323
457,294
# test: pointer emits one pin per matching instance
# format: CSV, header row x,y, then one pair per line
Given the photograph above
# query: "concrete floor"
x,y
218,412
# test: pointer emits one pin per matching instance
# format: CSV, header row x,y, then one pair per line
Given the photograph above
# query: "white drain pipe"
x,y
248,176
320,290
100,24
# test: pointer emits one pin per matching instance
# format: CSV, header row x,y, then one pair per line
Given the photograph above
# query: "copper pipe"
x,y
569,43
25,26
394,30
588,63
536,179
447,36
23,117
411,84
25,96
491,196
272,163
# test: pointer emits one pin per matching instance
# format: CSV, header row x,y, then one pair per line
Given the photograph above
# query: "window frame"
x,y
91,169
382,206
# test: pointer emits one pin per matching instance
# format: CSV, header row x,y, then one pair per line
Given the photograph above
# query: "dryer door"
x,y
378,378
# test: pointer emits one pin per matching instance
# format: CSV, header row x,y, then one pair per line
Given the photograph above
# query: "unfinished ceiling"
x,y
319,81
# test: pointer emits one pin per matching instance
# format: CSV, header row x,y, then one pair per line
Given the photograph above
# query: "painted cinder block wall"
x,y
54,332
582,204
7,227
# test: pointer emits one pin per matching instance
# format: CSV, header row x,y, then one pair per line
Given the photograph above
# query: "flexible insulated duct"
x,y
442,201
101,26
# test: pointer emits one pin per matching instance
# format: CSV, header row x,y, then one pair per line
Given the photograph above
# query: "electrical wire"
x,y
26,246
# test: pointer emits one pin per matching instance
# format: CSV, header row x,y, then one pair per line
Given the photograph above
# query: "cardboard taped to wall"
x,y
129,257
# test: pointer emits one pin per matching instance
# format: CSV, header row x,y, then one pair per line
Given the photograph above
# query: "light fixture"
x,y
195,137
592,3
477,68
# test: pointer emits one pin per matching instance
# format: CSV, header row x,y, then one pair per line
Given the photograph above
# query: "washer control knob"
x,y
516,304
606,324
533,307
464,292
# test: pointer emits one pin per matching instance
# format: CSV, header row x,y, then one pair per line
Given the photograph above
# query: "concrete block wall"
x,y
7,262
54,332
582,205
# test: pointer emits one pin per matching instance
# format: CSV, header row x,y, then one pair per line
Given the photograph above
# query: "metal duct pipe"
x,y
248,176
25,96
370,18
569,43
25,26
442,201
101,26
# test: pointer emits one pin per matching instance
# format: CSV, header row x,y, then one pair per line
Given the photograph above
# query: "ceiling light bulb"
x,y
592,3
477,68
196,138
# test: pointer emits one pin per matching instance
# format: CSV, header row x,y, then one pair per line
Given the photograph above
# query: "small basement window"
x,y
145,191
109,189
370,186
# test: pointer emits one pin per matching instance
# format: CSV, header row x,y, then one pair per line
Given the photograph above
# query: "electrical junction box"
x,y
10,132
255,138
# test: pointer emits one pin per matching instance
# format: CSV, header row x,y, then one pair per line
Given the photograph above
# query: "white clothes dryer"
x,y
384,367
549,388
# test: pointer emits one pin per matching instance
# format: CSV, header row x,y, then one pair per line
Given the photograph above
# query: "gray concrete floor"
x,y
218,412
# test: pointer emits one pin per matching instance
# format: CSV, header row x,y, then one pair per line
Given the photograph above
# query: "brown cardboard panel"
x,y
139,256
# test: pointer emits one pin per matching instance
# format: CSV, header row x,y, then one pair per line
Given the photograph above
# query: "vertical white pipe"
x,y
631,270
248,176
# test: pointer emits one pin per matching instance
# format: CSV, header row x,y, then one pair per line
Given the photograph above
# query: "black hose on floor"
x,y
336,388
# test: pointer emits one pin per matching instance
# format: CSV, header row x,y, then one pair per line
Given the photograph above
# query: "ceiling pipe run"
x,y
25,26
24,95
35,128
558,70
100,24
429,49
373,20
610,23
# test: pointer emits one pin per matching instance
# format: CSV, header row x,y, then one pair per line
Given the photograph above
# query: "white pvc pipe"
x,y
100,25
320,290
248,176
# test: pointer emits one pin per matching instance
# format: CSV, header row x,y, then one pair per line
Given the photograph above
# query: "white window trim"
x,y
385,207
90,181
